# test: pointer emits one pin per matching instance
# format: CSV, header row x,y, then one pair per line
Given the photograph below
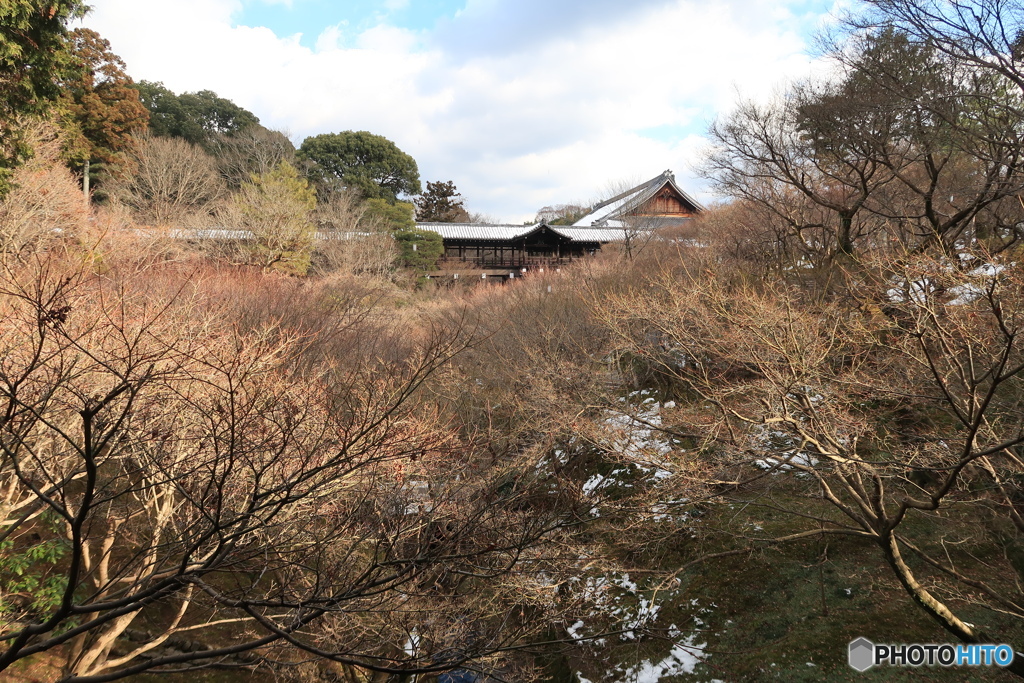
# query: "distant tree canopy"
x,y
197,117
34,58
101,108
231,134
561,214
441,203
368,163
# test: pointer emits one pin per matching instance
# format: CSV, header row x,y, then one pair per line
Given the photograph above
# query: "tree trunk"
x,y
932,606
845,242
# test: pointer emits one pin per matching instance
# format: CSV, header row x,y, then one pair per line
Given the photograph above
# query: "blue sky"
x,y
311,17
522,103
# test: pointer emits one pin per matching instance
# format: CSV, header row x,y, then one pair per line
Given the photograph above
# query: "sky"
x,y
522,103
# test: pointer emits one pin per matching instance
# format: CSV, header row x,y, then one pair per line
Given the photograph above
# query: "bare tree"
x,y
170,180
203,499
856,423
985,34
908,148
254,150
351,241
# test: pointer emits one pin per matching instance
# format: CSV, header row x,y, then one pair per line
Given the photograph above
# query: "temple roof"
x,y
505,233
478,231
617,211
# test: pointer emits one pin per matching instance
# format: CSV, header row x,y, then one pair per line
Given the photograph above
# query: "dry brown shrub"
x,y
112,241
222,457
171,180
351,242
46,200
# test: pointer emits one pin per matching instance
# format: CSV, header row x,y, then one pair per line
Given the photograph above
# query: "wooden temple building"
x,y
635,213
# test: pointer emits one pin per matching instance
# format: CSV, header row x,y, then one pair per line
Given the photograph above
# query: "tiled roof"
x,y
448,231
607,213
478,231
601,235
235,234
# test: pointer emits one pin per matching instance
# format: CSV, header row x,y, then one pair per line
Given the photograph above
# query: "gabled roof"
x,y
612,213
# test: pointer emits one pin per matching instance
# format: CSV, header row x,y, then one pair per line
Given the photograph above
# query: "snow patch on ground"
x,y
683,659
976,284
634,432
786,445
632,609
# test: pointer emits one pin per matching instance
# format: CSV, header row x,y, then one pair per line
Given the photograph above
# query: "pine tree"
x,y
441,204
275,207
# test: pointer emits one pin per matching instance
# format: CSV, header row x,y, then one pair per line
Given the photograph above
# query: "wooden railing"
x,y
512,261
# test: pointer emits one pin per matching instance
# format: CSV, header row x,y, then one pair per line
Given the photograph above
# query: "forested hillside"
x,y
243,438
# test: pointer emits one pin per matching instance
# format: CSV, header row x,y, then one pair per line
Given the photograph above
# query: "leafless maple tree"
x,y
858,418
206,499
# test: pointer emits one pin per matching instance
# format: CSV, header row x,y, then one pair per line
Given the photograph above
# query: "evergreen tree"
x,y
276,208
101,108
357,160
419,249
393,215
197,117
441,203
34,58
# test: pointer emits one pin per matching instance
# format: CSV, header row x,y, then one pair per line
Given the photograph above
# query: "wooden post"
x,y
85,181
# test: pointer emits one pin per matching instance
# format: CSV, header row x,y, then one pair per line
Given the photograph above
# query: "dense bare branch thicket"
x,y
982,33
45,201
893,416
252,150
910,149
179,492
170,180
351,241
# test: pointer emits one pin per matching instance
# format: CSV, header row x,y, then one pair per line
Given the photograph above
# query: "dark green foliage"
x,y
368,163
420,249
25,573
34,57
167,116
197,117
216,114
441,203
392,215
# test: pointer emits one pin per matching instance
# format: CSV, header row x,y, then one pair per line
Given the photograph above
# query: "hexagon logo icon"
x,y
862,654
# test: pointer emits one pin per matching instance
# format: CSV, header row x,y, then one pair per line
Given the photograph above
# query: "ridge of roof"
x,y
665,175
631,199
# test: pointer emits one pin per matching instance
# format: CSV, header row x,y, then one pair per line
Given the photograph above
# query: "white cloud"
x,y
523,119
331,38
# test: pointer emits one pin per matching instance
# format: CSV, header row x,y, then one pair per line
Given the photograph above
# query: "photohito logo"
x,y
864,654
